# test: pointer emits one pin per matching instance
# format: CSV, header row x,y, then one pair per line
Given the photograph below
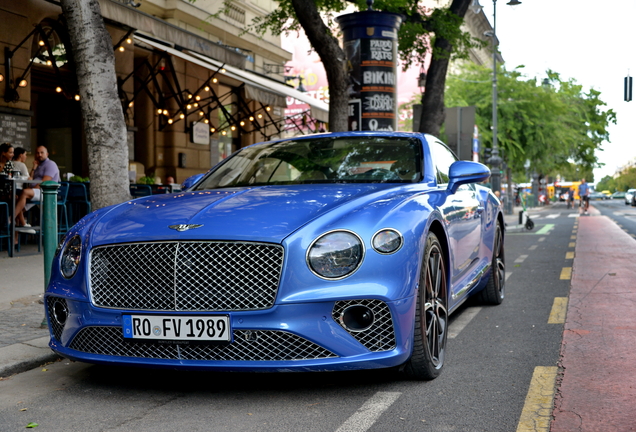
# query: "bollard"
x,y
49,225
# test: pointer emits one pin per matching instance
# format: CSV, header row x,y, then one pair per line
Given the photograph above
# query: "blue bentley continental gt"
x,y
329,252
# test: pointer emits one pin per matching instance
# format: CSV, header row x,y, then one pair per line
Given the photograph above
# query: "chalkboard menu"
x,y
15,130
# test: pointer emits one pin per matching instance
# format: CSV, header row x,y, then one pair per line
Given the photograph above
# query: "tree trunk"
x,y
333,59
433,113
104,124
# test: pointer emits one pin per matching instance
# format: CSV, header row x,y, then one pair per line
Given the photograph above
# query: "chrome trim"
x,y
473,282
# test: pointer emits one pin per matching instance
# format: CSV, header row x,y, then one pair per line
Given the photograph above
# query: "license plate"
x,y
177,328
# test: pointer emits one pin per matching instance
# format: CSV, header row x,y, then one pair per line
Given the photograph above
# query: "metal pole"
x,y
495,160
49,225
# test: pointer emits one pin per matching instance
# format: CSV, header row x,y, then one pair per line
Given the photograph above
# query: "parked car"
x,y
629,196
618,195
598,196
329,252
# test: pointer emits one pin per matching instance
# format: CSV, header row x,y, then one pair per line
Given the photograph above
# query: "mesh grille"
x,y
55,326
248,345
380,336
186,276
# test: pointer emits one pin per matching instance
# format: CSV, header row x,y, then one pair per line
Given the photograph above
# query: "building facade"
x,y
194,82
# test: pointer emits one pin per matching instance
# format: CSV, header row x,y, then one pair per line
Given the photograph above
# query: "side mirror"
x,y
465,172
190,181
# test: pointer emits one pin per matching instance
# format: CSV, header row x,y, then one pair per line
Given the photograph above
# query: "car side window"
x,y
443,158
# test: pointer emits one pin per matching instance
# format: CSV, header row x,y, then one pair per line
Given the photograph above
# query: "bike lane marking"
x,y
537,408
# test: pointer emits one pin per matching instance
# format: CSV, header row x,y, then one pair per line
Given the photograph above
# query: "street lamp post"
x,y
495,160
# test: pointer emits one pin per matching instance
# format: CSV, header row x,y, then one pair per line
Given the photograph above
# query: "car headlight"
x,y
69,262
335,254
387,241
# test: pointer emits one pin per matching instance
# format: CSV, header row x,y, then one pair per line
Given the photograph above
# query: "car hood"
x,y
268,213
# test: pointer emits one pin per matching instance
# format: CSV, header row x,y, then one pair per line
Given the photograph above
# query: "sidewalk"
x,y
597,381
23,341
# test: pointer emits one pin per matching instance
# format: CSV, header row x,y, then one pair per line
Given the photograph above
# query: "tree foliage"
x,y
550,125
622,182
423,31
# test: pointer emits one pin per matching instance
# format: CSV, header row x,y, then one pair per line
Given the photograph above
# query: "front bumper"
x,y
294,337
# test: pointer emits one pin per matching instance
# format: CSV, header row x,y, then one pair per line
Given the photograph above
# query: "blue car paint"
x,y
294,216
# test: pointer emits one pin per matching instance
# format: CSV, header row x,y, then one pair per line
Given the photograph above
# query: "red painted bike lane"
x,y
596,390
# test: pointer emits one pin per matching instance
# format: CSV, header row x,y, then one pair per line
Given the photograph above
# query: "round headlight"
x,y
69,262
335,254
387,241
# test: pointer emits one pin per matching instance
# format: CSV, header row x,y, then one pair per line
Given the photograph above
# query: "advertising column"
x,y
370,43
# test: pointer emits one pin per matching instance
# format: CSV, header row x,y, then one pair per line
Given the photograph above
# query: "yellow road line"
x,y
572,237
566,273
572,244
559,310
569,255
537,409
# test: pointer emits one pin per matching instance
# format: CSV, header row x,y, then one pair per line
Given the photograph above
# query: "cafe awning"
x,y
262,89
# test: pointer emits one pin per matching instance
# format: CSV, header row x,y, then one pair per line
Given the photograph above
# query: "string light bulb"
x,y
122,49
207,88
170,121
165,112
200,113
206,121
260,116
267,108
198,98
214,80
129,41
159,111
188,106
224,133
212,130
77,97
41,43
49,63
58,89
242,123
233,128
130,104
181,116
23,83
251,118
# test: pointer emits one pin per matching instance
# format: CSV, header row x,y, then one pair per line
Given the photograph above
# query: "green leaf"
x,y
32,425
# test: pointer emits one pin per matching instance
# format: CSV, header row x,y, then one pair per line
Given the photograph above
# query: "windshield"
x,y
321,160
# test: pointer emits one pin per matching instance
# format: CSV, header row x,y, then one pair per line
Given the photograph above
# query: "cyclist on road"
x,y
584,193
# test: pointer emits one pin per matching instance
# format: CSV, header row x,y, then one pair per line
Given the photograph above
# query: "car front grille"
x,y
186,276
378,337
248,345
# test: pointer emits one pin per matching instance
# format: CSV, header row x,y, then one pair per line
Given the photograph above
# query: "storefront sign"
x,y
15,130
200,133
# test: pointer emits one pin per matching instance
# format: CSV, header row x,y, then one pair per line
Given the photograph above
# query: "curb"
x,y
25,356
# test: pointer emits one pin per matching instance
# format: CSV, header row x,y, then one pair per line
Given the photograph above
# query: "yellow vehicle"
x,y
560,189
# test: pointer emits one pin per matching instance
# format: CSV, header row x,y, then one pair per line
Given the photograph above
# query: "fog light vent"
x,y
368,321
58,314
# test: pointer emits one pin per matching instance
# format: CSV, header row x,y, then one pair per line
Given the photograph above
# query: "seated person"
x,y
43,169
19,159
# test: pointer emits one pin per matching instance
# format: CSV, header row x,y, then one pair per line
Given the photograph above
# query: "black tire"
x,y
431,316
494,292
529,224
